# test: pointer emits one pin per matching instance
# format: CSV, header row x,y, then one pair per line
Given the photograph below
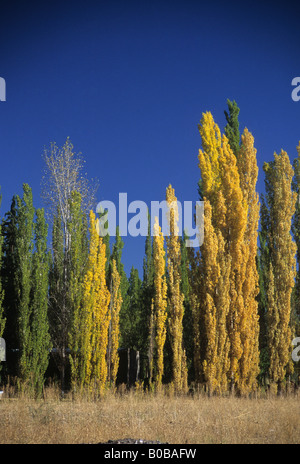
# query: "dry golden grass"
x,y
166,418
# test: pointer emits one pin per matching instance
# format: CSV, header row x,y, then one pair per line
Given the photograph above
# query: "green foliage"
x,y
132,338
40,336
232,128
25,274
124,285
147,290
188,341
77,227
25,251
8,276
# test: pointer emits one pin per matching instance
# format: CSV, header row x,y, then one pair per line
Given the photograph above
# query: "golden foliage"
x,y
176,307
96,314
283,269
230,278
160,299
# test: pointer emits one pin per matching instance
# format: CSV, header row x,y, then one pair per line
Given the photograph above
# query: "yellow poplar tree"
x,y
96,314
176,307
281,202
221,186
249,320
215,305
160,299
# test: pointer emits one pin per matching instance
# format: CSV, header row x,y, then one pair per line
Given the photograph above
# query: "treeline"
x,y
223,315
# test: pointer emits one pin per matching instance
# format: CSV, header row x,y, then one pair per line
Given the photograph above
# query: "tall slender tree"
x,y
63,176
132,338
114,325
25,251
96,315
25,277
296,234
243,149
9,274
160,300
40,336
281,208
124,312
78,258
176,297
221,186
249,322
147,295
187,321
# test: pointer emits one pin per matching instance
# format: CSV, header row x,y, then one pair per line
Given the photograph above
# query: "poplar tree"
x,y
159,300
26,269
281,207
221,186
296,235
58,315
96,315
133,337
243,149
25,245
9,274
147,294
187,321
117,256
215,266
40,336
63,176
263,268
195,274
78,257
231,130
114,325
176,297
249,323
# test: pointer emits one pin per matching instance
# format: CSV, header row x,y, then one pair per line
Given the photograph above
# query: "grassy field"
x,y
167,418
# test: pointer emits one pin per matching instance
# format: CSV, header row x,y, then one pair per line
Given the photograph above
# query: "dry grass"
x,y
167,418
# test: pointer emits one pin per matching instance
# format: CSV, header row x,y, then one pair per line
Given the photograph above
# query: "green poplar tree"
x,y
124,316
132,338
263,267
10,302
147,290
39,325
232,128
24,275
78,258
187,316
56,294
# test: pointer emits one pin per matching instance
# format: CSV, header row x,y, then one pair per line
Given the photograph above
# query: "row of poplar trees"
x,y
223,315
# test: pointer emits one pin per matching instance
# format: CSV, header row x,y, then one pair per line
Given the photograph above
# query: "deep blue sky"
x,y
128,82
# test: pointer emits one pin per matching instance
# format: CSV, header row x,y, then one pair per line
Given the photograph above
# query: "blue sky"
x,y
128,83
